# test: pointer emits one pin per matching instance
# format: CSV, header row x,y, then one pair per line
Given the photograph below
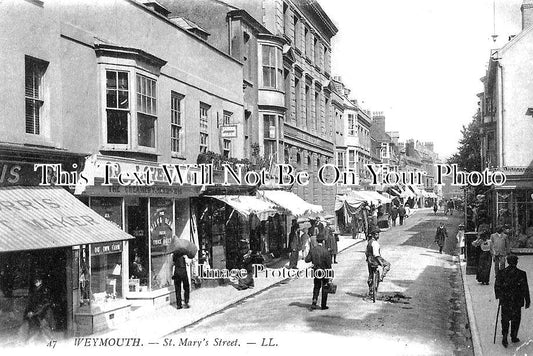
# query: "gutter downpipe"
x,y
501,114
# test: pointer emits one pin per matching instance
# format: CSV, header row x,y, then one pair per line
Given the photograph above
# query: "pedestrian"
x,y
305,240
435,208
401,213
394,214
512,291
374,258
331,241
38,311
321,259
440,236
293,244
180,278
485,257
499,244
461,241
249,259
450,206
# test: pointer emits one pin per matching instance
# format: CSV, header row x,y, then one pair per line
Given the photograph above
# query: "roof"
x,y
35,218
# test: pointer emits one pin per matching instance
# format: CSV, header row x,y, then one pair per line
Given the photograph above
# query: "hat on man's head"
x,y
512,260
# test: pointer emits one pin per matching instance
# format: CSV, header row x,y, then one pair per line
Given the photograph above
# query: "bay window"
x,y
272,67
117,107
146,111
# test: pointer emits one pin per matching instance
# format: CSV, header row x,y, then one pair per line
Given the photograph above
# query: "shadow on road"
x,y
424,234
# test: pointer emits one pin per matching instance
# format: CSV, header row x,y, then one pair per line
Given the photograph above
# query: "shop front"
x,y
229,223
47,234
512,208
152,214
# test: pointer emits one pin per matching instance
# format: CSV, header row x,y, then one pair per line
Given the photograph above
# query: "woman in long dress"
x,y
485,258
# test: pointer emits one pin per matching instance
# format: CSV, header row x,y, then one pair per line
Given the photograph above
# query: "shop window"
x,y
161,223
117,107
204,127
34,72
106,272
146,111
272,67
176,124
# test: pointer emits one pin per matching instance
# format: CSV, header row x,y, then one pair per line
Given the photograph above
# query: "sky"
x,y
419,61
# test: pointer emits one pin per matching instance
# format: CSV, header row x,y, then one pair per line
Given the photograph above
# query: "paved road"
x,y
420,309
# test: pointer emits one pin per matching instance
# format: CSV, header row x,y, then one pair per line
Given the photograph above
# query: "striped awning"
x,y
291,202
33,218
246,205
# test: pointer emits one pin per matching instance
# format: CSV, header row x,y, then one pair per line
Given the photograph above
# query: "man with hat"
x,y
512,290
321,259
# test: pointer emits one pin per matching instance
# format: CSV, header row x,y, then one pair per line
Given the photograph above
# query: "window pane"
x,y
146,128
123,102
111,80
123,80
117,127
111,99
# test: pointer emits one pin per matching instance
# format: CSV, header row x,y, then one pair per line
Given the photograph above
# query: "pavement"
x,y
482,309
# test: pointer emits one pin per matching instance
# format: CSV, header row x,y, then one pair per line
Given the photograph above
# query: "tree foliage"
x,y
468,155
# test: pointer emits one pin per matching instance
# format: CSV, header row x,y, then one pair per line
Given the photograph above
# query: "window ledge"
x,y
178,156
111,148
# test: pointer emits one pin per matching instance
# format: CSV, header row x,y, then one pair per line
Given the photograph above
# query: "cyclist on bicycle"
x,y
373,257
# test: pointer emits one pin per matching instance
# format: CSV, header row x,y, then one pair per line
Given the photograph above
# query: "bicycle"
x,y
374,283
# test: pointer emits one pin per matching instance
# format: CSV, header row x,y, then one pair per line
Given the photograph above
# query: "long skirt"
x,y
484,265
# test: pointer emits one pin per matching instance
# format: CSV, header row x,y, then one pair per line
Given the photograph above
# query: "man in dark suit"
x,y
180,277
512,290
401,213
321,259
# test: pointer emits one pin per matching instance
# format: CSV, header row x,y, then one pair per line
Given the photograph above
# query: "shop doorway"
x,y
17,273
137,226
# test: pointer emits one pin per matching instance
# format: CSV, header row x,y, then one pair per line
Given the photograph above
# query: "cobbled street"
x,y
420,307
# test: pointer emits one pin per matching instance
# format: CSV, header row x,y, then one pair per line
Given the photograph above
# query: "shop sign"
x,y
228,131
22,174
106,248
160,225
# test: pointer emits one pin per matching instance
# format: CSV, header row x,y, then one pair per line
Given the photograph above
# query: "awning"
x,y
417,191
340,200
246,205
369,196
33,218
290,202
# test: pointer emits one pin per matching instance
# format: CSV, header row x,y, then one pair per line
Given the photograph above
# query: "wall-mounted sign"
x,y
106,247
228,131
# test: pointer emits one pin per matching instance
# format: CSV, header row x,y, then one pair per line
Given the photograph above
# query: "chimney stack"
x,y
527,13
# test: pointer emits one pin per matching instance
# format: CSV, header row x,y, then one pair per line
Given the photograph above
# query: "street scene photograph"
x,y
266,177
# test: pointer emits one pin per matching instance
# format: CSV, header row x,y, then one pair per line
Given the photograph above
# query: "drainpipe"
x,y
501,115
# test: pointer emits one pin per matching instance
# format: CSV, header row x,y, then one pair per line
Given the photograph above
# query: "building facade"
x,y
86,88
506,126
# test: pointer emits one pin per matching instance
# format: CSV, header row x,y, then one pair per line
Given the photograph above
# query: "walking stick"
x,y
496,325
